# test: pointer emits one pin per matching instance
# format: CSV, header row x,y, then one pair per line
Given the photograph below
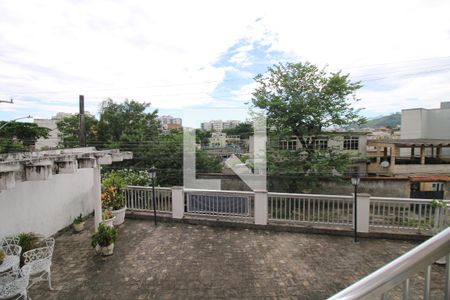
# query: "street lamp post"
x,y
11,121
355,183
152,173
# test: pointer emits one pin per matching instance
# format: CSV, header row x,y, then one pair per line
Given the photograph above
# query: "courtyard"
x,y
183,261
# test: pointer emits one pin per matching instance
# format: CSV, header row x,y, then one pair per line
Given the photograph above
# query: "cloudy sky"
x,y
196,59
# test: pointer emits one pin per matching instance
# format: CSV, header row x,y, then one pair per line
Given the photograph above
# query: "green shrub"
x,y
104,237
78,220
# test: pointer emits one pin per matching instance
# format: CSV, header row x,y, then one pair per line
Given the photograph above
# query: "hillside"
x,y
385,121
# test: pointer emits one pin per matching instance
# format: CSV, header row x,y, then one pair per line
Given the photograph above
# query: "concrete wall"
x,y
373,186
46,206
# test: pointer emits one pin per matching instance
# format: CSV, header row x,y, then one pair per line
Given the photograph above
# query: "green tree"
x,y
70,130
300,100
126,123
20,136
244,130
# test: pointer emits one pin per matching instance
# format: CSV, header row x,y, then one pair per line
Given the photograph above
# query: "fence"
x,y
373,213
314,209
219,203
139,198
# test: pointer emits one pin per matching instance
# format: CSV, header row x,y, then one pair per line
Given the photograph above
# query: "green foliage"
x,y
202,137
112,186
19,136
302,100
2,255
126,177
244,130
70,130
104,237
28,241
126,123
78,220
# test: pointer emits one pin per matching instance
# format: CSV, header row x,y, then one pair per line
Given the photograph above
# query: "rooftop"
x,y
183,261
411,142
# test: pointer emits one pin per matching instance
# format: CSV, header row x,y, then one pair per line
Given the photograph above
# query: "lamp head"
x,y
355,180
152,172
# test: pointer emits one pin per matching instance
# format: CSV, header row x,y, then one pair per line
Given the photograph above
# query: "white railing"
x,y
374,213
139,198
381,283
402,213
219,203
309,208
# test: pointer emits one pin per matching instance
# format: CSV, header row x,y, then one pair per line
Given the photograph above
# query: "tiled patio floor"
x,y
181,261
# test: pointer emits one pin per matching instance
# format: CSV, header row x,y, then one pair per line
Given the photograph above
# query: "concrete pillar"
x,y
7,180
422,155
393,154
261,207
412,152
438,152
98,197
363,212
177,202
378,154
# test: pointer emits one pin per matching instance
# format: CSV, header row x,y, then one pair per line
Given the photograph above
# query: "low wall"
x,y
377,187
46,206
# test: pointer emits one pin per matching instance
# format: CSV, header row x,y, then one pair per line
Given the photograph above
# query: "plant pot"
x,y
120,216
108,250
78,226
105,251
109,222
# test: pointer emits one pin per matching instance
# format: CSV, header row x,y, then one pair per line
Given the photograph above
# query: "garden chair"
x,y
40,261
10,240
13,251
14,283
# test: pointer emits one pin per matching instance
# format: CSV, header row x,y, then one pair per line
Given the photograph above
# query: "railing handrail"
x,y
399,269
247,193
293,195
394,199
147,187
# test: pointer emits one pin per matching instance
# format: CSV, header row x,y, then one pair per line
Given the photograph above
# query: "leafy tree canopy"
x,y
70,129
300,99
20,136
244,130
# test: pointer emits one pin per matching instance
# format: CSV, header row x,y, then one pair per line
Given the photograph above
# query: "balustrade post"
x,y
363,212
177,202
261,207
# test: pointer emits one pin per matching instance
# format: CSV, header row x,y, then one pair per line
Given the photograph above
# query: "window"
x,y
321,144
288,145
351,143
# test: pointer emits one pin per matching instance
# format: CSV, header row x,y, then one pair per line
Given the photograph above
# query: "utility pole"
x,y
7,101
82,123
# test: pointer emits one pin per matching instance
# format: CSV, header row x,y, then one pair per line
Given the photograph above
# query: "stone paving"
x,y
181,261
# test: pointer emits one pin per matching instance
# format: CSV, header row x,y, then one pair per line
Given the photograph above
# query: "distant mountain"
x,y
385,121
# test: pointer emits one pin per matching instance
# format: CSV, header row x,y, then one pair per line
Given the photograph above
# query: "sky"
x,y
197,59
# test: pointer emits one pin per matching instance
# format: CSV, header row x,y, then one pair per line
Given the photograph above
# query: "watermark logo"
x,y
253,173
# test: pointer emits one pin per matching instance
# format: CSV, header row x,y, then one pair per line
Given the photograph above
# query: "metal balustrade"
x,y
219,203
398,273
139,198
309,208
402,213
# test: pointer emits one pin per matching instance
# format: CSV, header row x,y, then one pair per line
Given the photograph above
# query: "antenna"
x,y
7,101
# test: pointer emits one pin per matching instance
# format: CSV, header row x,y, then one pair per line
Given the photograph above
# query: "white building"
x,y
169,122
422,123
219,125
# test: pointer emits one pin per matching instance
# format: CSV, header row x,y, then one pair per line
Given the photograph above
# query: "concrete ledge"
x,y
327,230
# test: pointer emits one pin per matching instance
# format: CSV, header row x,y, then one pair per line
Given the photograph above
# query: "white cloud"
x,y
165,51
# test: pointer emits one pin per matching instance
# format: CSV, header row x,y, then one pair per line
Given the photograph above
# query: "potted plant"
x,y
112,197
103,240
108,218
78,223
2,256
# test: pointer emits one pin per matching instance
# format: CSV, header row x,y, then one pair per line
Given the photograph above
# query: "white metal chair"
x,y
14,283
40,261
10,240
13,252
